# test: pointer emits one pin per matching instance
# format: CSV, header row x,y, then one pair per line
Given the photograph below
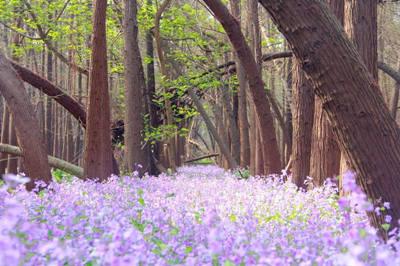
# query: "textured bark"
x,y
303,113
361,25
271,155
366,132
135,86
28,133
98,153
325,153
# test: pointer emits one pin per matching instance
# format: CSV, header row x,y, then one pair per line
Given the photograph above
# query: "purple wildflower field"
x,y
202,215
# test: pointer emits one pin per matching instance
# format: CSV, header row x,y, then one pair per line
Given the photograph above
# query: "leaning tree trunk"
x,y
365,129
98,161
269,142
30,138
325,153
134,92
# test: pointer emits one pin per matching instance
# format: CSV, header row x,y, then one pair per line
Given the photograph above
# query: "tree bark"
x,y
325,153
366,132
269,142
135,87
396,94
303,113
241,146
361,26
154,153
4,138
28,133
98,153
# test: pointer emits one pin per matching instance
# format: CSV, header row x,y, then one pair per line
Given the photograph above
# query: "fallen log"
x,y
53,161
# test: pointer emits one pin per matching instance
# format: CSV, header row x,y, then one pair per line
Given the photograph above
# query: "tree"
x,y
27,128
349,95
303,112
271,156
171,151
135,87
361,26
98,153
325,153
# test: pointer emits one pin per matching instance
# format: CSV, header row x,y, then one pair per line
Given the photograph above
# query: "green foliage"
x,y
61,176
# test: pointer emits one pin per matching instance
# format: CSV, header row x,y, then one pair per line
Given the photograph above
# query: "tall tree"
x,y
269,142
171,150
361,25
240,142
98,152
134,91
325,152
303,112
349,94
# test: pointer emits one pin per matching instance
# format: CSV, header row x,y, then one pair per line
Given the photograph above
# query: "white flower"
x,y
15,180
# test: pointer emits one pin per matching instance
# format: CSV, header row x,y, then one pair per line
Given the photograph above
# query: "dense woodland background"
x,y
179,90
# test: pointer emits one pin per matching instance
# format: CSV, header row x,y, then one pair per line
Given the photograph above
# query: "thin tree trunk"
x,y
171,150
395,99
303,113
4,138
150,93
135,87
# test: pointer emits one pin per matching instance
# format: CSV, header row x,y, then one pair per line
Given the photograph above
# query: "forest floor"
x,y
202,215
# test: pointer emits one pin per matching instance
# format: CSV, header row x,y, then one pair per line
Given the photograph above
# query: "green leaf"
x,y
386,227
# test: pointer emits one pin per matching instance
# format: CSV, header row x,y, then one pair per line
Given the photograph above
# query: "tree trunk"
x,y
241,147
269,142
134,92
396,94
49,107
221,142
4,138
12,162
365,129
325,153
171,148
303,113
28,133
361,26
98,153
